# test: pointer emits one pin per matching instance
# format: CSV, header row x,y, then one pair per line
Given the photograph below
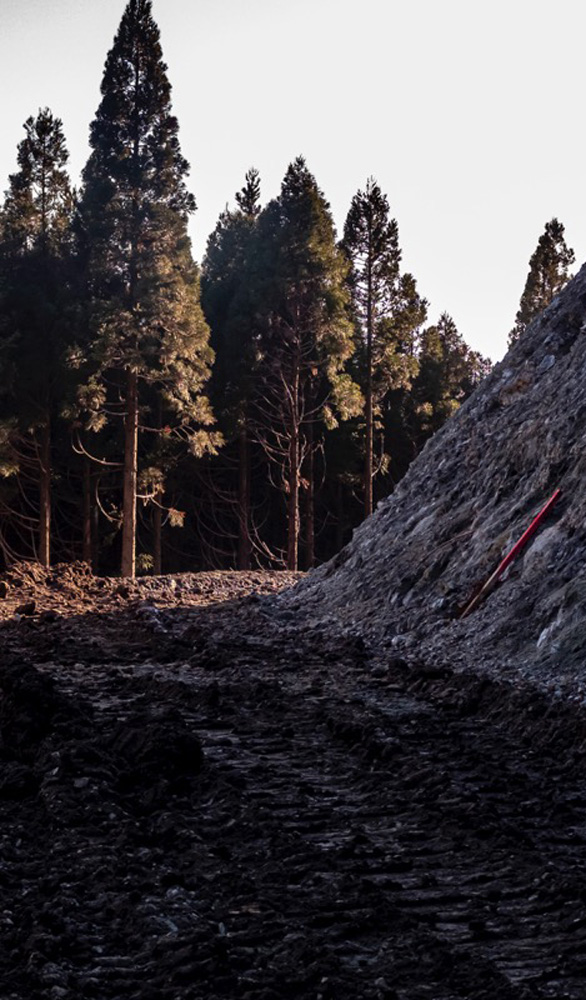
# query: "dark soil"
x,y
200,800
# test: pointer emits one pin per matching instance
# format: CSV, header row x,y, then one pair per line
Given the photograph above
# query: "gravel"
x,y
414,565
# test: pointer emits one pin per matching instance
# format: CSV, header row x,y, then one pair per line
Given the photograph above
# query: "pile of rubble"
x,y
30,590
412,568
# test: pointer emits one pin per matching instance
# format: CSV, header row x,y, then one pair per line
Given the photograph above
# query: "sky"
x,y
469,115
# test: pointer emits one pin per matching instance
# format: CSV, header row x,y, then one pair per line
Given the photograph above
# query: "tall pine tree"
x,y
305,340
150,343
387,311
35,243
548,273
229,308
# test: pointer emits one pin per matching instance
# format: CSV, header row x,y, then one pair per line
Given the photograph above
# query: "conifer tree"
x,y
150,341
548,273
387,311
305,338
229,309
35,241
449,371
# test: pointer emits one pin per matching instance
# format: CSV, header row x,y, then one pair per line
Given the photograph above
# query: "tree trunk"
x,y
368,453
128,562
45,495
87,551
368,413
128,565
244,543
310,501
157,511
157,539
293,499
293,504
340,516
95,527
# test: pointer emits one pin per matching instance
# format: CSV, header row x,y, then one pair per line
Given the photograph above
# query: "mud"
x,y
200,800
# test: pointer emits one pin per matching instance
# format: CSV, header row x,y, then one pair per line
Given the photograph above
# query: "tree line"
x,y
262,402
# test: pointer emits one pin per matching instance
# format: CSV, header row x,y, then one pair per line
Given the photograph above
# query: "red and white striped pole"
x,y
514,552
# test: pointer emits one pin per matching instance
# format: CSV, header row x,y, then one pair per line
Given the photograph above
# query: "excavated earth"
x,y
201,797
413,567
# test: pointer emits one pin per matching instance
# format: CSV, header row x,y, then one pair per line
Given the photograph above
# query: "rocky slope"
x,y
413,566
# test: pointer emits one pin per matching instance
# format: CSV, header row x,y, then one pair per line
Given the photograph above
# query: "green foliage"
x,y
35,327
145,312
176,517
305,340
39,202
448,372
387,311
34,259
387,308
248,198
548,273
8,457
229,305
322,376
302,297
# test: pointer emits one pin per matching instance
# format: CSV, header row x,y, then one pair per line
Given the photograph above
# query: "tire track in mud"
x,y
413,824
404,836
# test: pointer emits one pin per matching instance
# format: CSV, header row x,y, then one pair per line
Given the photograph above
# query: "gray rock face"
x,y
414,565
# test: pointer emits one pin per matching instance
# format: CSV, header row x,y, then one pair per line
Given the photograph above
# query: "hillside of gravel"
x,y
414,565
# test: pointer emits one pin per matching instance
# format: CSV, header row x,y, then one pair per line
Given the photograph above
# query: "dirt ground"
x,y
200,799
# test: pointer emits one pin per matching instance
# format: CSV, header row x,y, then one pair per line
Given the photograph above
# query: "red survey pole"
x,y
514,552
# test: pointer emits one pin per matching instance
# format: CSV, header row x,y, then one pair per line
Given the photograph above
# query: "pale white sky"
x,y
470,116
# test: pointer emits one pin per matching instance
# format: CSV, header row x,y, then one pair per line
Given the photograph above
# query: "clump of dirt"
x,y
72,588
